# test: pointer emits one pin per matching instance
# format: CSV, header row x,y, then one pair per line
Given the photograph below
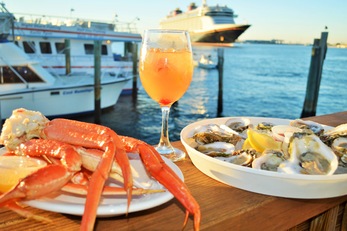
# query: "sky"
x,y
294,21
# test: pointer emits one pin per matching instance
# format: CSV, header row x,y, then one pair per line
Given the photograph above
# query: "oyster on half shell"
x,y
216,149
309,155
238,124
211,133
269,160
316,128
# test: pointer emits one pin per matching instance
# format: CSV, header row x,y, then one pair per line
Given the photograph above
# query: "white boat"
x,y
25,83
55,40
206,62
206,24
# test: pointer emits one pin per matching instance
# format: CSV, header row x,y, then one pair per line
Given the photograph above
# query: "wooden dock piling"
x,y
97,81
67,51
220,81
319,50
134,52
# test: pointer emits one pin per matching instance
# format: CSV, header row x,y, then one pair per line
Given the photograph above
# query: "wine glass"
x,y
166,70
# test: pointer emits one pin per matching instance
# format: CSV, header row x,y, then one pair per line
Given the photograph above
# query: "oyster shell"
x,y
215,133
238,124
216,149
269,160
339,131
339,146
265,126
309,155
243,157
316,128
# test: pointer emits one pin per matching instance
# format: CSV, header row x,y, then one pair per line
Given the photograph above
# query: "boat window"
x,y
7,75
104,50
29,47
89,49
60,47
45,48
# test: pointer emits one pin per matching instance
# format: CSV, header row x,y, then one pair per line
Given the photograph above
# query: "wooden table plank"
x,y
223,207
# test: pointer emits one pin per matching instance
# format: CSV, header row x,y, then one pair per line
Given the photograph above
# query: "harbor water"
x,y
259,80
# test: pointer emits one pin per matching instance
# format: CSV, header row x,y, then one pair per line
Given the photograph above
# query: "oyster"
x,y
269,160
215,133
339,131
316,128
309,155
339,146
265,126
238,124
243,157
216,149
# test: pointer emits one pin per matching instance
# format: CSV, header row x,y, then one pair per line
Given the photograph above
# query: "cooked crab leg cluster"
x,y
63,142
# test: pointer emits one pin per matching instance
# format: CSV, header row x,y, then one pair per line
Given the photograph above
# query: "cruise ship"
x,y
206,24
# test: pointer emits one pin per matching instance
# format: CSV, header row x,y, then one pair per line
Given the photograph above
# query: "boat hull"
x,y
225,35
64,101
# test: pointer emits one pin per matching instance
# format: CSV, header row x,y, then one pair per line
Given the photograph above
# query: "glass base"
x,y
174,154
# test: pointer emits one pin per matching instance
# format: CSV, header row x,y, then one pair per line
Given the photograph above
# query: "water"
x,y
259,80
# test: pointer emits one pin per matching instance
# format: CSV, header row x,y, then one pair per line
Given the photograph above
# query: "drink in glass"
x,y
166,70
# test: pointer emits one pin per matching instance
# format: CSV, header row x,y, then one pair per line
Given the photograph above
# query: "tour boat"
x,y
24,82
66,45
206,24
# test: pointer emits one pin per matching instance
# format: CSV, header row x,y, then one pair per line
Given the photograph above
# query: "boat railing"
x,y
46,21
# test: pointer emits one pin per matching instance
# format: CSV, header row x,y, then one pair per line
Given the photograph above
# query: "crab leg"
x,y
78,127
49,178
166,176
23,212
108,190
74,132
35,185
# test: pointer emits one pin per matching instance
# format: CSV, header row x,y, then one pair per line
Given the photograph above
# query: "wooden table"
x,y
223,208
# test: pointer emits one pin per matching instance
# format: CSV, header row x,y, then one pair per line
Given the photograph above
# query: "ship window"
x,y
45,48
29,47
60,47
9,76
89,49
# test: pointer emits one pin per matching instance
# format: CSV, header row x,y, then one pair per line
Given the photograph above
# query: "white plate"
x,y
261,181
67,203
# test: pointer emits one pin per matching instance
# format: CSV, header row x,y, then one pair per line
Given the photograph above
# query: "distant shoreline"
x,y
281,42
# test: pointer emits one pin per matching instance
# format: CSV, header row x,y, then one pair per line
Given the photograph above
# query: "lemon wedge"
x,y
14,168
261,141
247,145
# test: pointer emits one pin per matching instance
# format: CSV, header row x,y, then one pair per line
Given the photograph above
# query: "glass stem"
x,y
164,146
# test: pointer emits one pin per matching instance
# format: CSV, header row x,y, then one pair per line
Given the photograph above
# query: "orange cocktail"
x,y
166,74
166,70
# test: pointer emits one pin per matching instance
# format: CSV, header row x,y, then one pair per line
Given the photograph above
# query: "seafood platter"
x,y
271,156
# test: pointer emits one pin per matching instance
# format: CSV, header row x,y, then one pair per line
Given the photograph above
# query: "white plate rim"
x,y
68,204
